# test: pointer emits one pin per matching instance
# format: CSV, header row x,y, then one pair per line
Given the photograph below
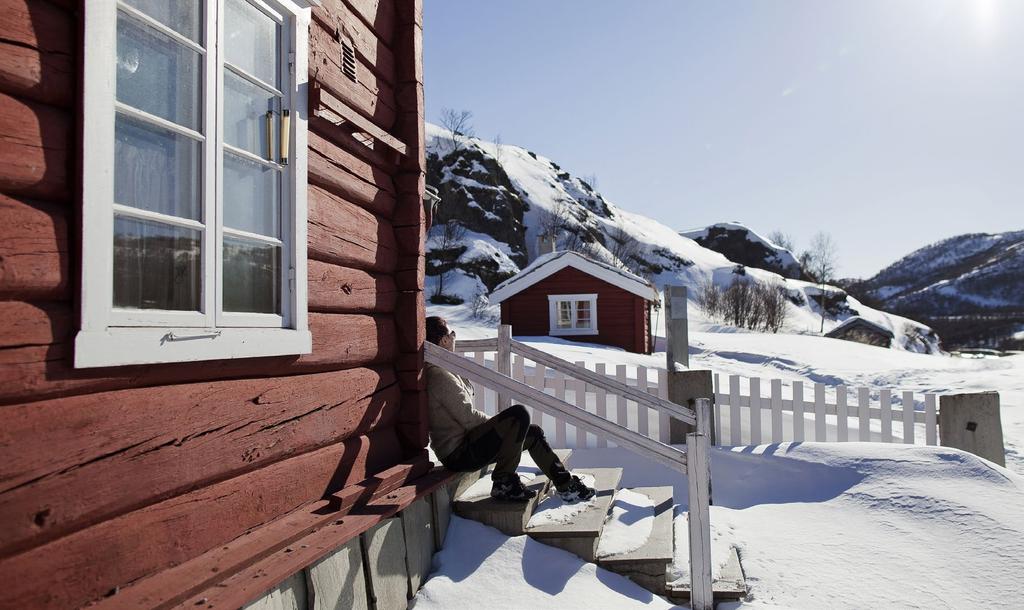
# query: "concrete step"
x,y
576,527
510,518
729,585
647,566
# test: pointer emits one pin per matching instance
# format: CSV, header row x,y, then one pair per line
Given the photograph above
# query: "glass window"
x,y
564,314
582,314
188,200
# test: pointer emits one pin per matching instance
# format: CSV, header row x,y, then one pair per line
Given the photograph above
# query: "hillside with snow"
x,y
497,200
970,286
743,245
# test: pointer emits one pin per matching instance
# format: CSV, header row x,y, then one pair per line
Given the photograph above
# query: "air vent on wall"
x,y
348,60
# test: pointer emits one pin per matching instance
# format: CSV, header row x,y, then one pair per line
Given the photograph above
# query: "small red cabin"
x,y
564,294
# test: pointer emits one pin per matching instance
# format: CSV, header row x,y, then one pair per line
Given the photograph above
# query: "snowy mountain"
x,y
496,200
743,245
970,286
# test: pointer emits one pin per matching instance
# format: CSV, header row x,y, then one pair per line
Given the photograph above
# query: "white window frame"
x,y
109,336
555,299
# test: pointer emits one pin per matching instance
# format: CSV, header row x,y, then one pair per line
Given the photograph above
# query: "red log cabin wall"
x,y
621,315
113,476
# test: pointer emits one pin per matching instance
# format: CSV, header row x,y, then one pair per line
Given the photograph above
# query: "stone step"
x,y
583,522
729,585
647,566
510,518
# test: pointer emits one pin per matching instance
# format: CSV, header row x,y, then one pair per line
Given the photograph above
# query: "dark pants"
x,y
502,439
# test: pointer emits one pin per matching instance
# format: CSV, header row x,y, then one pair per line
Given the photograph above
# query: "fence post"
x,y
698,467
677,340
684,387
972,422
503,362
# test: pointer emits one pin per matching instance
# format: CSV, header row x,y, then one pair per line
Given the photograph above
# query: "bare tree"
x,y
458,123
746,304
590,180
624,247
452,233
783,240
551,223
498,154
821,265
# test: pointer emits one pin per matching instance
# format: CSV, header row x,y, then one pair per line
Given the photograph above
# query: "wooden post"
x,y
698,466
677,339
503,362
972,422
684,388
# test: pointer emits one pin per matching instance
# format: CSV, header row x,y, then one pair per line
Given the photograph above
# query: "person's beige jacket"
x,y
450,409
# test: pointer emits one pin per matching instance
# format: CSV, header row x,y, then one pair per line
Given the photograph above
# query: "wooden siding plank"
x,y
340,341
343,135
27,324
332,288
168,533
370,95
345,234
371,49
35,142
57,479
37,52
347,162
326,174
33,250
379,15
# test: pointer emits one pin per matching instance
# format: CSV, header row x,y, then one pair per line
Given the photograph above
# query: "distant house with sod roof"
x,y
862,331
565,294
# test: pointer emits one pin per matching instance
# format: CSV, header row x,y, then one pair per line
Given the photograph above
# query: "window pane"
x,y
156,169
252,199
582,314
252,276
252,40
564,315
245,116
183,16
156,266
157,75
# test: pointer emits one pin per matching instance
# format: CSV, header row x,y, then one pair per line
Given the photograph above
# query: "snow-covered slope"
x,y
971,286
743,245
504,196
960,275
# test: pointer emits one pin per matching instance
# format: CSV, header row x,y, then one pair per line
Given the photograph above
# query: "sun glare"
x,y
984,15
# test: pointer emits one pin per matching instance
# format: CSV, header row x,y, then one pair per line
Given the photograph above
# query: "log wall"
x,y
178,477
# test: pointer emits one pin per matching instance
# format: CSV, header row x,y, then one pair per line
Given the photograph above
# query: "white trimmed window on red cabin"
x,y
194,181
572,314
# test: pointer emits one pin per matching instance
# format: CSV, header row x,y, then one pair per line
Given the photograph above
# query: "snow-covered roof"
x,y
859,321
549,264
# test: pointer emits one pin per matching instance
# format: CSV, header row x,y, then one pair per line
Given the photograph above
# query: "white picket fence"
x,y
747,411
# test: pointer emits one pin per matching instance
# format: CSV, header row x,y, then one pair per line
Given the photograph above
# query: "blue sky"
x,y
888,123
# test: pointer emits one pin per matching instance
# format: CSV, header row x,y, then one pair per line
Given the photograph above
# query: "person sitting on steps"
x,y
465,439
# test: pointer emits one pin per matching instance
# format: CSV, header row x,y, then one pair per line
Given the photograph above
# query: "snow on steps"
x,y
647,566
578,528
509,518
580,533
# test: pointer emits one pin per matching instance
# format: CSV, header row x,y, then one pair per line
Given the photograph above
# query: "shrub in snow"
x,y
747,304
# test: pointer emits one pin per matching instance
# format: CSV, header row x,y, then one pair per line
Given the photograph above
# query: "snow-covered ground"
x,y
818,525
837,525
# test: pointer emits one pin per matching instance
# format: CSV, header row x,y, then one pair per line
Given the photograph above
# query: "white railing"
x,y
746,410
695,462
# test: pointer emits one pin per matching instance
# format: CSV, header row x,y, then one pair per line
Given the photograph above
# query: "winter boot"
x,y
574,491
508,488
